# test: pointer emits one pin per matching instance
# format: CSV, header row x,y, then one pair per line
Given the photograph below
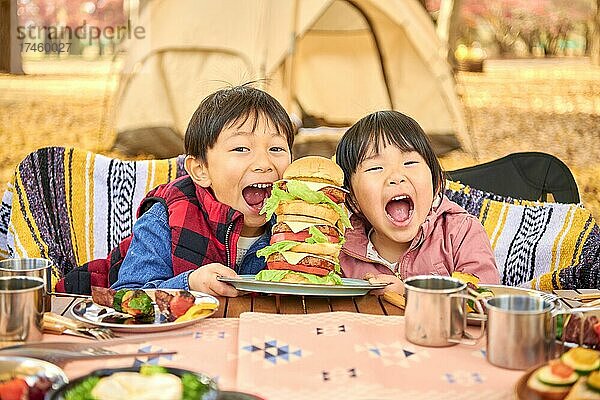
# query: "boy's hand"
x,y
204,279
395,283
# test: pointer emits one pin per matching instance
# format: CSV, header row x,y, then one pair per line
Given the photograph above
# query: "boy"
x,y
206,224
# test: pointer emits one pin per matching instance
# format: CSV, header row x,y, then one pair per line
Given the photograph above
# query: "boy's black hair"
x,y
386,128
233,105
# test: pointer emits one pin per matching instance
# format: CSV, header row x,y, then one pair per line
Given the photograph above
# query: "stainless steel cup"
x,y
520,331
21,308
36,267
435,313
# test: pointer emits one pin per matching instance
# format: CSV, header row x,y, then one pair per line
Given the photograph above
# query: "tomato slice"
x,y
597,329
560,369
299,268
179,305
15,389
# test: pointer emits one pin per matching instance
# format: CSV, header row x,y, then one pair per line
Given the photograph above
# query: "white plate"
x,y
31,370
91,313
350,287
500,290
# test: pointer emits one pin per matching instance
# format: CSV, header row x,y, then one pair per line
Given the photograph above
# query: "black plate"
x,y
210,395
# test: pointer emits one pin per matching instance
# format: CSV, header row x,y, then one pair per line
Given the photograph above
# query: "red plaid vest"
x,y
203,231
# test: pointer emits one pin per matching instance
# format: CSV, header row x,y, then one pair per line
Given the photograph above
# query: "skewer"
x,y
394,298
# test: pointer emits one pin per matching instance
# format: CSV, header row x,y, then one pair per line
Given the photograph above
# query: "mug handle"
x,y
468,340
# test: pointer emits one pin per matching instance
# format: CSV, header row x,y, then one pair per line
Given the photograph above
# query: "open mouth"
x,y
400,209
255,194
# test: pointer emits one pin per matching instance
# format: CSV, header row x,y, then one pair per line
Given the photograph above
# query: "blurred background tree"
x,y
520,28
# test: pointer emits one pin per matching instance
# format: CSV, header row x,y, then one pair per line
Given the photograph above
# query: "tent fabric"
x,y
526,175
348,59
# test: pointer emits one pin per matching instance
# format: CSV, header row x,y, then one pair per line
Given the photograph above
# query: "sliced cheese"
x,y
297,226
319,185
294,258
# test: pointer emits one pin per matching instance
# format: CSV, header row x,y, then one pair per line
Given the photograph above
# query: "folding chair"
x,y
529,176
72,206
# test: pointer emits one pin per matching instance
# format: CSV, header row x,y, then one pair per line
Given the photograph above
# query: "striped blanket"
x,y
539,245
72,206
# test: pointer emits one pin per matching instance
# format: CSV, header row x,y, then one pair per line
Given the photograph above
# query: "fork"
x,y
55,323
61,357
79,346
549,297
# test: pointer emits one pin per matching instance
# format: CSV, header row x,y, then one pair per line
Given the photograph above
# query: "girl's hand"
x,y
395,283
204,279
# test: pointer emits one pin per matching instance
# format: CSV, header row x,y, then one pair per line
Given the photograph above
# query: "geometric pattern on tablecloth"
x,y
332,330
272,351
210,335
479,353
395,353
463,378
340,375
153,360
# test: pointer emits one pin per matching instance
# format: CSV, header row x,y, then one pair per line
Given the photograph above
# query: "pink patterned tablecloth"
x,y
210,347
358,356
324,356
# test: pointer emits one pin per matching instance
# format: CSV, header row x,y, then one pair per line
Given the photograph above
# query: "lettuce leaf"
x,y
316,236
277,196
301,191
298,190
276,275
278,247
285,245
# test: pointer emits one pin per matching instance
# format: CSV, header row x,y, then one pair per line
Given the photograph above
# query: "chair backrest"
x,y
72,206
539,245
529,176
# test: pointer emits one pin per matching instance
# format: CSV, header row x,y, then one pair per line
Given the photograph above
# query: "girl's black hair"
x,y
386,128
233,105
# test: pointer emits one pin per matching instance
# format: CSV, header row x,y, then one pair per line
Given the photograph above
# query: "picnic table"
x,y
294,347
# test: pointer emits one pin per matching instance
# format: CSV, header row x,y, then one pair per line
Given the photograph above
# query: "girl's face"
x,y
394,191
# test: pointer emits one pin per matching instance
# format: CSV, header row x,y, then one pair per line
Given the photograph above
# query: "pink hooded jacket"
x,y
449,240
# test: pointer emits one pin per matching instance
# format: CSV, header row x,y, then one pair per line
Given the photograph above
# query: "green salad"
x,y
191,386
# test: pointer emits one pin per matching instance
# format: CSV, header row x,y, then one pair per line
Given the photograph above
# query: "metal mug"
x,y
21,308
521,330
435,313
36,267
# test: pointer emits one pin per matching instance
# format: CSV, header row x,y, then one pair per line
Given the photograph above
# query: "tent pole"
x,y
289,62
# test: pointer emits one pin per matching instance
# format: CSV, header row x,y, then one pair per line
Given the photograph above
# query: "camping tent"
x,y
331,61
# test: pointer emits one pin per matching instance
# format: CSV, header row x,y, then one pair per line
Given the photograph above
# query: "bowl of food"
x,y
574,375
28,378
136,383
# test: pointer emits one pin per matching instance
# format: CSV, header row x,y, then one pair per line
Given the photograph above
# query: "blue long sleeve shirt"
x,y
148,263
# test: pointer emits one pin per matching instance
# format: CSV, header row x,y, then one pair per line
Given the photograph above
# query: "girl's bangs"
x,y
382,137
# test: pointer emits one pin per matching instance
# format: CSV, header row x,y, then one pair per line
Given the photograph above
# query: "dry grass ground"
x,y
535,105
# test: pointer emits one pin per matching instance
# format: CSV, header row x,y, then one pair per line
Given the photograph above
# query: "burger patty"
x,y
309,261
336,195
328,230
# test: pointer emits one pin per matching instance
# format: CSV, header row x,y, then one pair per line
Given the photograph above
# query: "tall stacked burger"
x,y
311,219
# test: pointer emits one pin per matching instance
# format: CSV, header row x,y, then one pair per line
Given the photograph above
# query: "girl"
x,y
403,223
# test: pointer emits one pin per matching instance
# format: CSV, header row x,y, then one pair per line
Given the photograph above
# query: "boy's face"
x,y
394,191
242,166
